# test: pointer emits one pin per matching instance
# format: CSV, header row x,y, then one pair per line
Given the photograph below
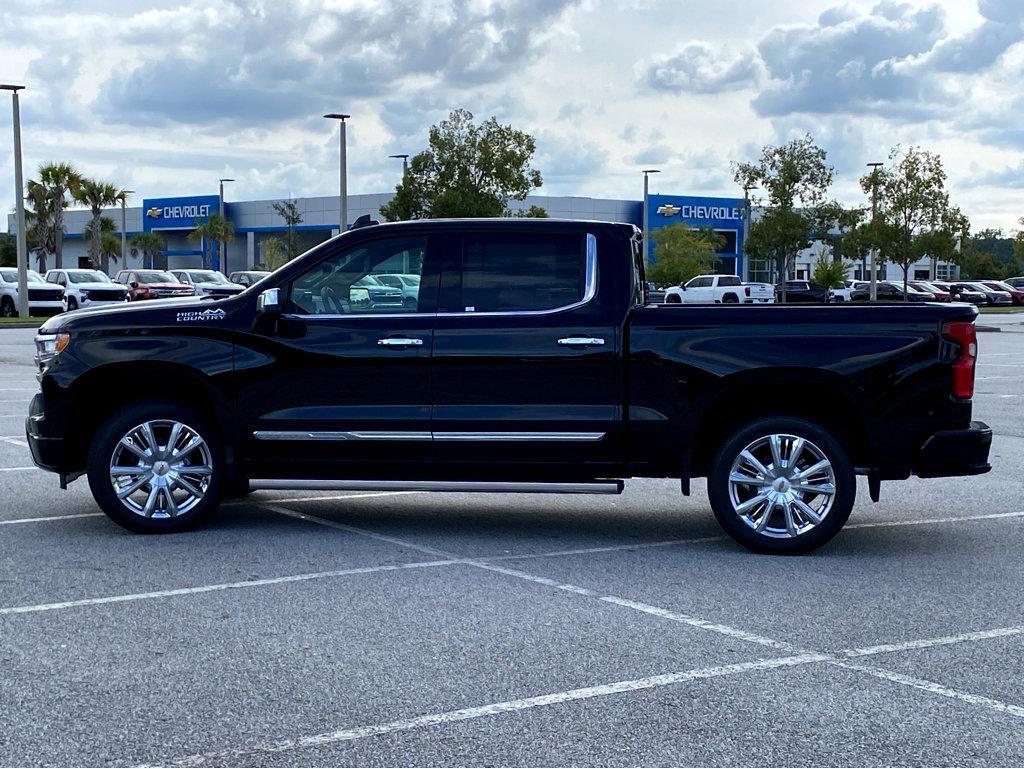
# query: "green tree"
x,y
149,245
680,253
795,178
39,230
215,229
289,211
981,265
532,212
274,253
468,170
8,250
96,195
915,215
106,236
110,247
829,272
57,185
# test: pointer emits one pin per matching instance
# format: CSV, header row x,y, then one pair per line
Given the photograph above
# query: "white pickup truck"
x,y
720,289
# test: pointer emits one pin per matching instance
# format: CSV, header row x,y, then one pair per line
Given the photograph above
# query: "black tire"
x,y
730,299
72,303
673,299
101,454
817,441
7,308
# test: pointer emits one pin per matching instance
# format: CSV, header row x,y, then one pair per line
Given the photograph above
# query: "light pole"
x,y
19,207
220,210
124,226
746,231
874,209
405,163
647,215
343,172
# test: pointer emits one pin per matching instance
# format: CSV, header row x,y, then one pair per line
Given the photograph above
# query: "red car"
x,y
152,284
1016,294
938,294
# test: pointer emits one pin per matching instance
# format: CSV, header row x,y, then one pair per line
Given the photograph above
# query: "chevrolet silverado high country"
x,y
530,362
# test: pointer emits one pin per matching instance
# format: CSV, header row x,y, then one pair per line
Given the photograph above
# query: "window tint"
x,y
728,280
517,273
343,284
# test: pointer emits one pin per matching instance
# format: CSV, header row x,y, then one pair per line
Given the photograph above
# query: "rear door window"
x,y
528,272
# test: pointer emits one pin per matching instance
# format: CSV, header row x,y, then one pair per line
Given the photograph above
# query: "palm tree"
x,y
57,181
150,245
216,229
39,224
96,195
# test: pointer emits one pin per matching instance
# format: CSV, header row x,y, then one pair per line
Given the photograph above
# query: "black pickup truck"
x,y
527,359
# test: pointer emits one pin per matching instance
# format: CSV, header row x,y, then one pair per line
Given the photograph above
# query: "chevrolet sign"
x,y
178,213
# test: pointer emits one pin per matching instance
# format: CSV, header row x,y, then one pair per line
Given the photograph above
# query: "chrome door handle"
x,y
399,341
580,341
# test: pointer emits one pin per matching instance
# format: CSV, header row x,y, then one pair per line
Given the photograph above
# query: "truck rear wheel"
x,y
782,485
156,467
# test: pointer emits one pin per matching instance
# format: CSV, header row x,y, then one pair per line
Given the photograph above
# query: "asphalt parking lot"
x,y
395,629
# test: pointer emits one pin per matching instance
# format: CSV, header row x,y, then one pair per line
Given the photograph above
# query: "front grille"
x,y
105,295
221,292
45,294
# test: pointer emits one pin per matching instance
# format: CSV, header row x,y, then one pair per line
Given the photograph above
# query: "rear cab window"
x,y
518,272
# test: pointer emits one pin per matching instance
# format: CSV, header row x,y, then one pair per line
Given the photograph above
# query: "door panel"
x,y
536,390
348,393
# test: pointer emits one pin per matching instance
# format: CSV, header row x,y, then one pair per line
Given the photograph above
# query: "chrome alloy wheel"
x,y
161,469
782,486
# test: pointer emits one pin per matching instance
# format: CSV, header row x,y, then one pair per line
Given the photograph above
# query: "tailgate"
x,y
759,290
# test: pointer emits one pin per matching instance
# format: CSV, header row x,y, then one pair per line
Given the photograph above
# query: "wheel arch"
x,y
820,396
101,391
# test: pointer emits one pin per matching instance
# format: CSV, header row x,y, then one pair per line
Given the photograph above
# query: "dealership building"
x,y
256,221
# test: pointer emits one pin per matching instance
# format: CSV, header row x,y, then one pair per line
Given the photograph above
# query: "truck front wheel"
x,y
156,467
782,485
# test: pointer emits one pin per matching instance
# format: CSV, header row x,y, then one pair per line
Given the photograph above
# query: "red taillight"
x,y
966,338
746,290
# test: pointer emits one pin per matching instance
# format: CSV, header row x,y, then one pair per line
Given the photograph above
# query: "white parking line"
x,y
18,469
981,635
51,518
508,706
219,587
344,496
13,441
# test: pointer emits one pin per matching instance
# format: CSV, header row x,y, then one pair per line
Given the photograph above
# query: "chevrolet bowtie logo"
x,y
667,210
155,212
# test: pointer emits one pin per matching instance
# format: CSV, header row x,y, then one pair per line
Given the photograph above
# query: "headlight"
x,y
49,346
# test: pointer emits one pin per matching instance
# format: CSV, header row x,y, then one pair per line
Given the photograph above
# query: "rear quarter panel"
x,y
885,367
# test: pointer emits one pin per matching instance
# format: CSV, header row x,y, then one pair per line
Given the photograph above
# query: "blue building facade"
x,y
723,215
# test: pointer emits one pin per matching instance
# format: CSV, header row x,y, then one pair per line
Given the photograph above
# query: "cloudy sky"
x,y
164,97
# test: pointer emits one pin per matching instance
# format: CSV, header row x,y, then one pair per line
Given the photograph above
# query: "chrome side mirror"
x,y
269,301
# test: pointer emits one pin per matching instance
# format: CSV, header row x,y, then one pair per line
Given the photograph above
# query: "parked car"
x,y
719,289
938,294
1015,282
961,292
510,376
152,284
43,298
247,277
993,297
87,288
887,291
208,283
840,294
1016,294
407,283
802,292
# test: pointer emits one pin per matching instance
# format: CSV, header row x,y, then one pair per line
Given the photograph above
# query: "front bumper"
x,y
47,452
955,452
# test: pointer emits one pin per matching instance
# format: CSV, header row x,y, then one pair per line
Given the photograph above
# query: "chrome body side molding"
x,y
311,484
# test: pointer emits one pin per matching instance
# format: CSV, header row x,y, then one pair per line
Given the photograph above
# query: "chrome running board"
x,y
514,487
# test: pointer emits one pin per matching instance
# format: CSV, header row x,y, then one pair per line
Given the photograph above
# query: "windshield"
x,y
156,277
998,285
90,276
980,287
206,276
